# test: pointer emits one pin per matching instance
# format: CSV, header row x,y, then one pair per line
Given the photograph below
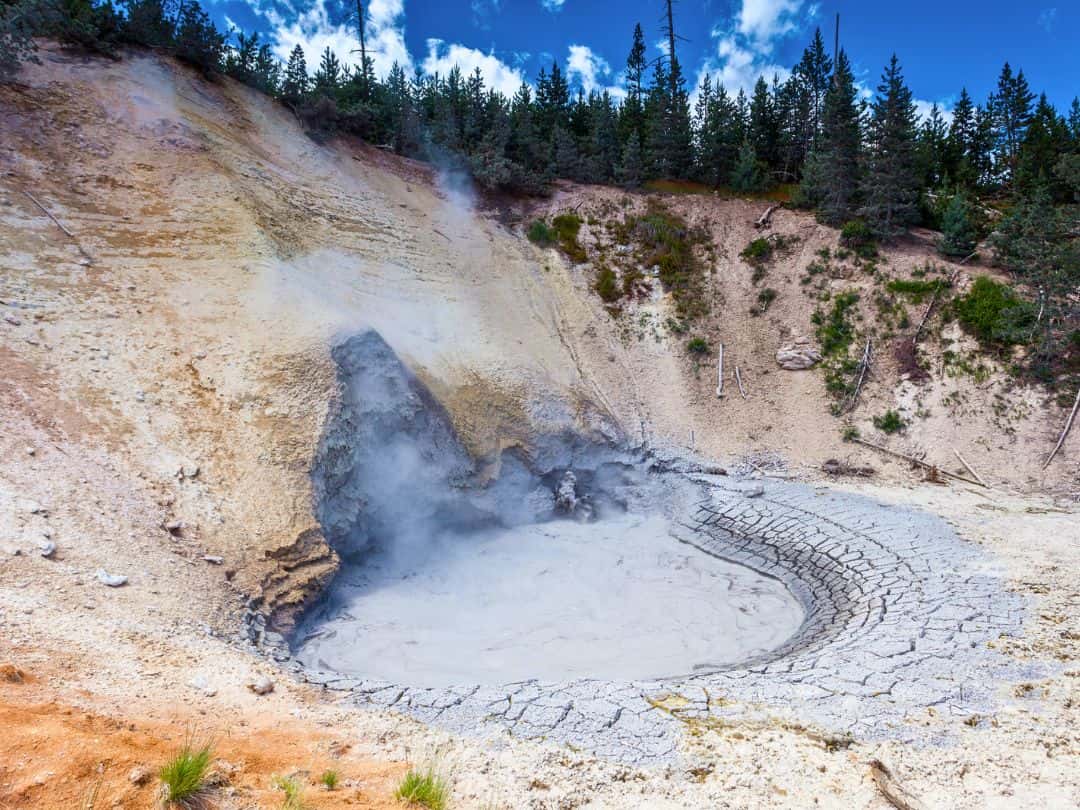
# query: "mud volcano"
x,y
569,591
562,566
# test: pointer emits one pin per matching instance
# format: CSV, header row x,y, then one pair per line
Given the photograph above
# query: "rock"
x,y
139,776
13,320
261,685
754,492
140,396
213,559
14,551
9,673
566,493
201,683
793,357
174,526
112,580
47,548
33,507
188,471
30,451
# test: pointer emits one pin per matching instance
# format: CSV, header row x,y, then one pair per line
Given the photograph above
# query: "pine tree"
x,y
838,161
746,177
19,21
147,24
295,86
1012,114
958,144
1047,138
328,77
764,129
959,232
933,148
631,171
891,187
632,114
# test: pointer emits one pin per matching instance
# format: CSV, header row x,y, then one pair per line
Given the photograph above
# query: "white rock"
x,y
797,358
47,548
213,559
112,580
261,685
32,506
30,451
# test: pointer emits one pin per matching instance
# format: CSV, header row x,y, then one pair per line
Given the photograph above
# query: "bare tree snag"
x,y
764,219
738,379
969,468
930,307
864,365
1065,431
896,794
720,373
916,461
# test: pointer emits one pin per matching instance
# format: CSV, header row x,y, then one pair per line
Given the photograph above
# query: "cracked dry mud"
x,y
899,613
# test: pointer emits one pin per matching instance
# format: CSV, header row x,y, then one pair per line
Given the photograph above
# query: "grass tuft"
x,y
293,790
183,778
425,788
329,779
890,422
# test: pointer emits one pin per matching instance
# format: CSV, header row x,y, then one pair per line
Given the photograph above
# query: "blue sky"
x,y
942,44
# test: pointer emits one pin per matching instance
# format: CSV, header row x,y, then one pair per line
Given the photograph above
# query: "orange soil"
x,y
55,756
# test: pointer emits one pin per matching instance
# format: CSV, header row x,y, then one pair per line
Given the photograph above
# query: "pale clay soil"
x,y
220,251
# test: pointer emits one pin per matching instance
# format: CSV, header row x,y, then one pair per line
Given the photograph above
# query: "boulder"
x,y
797,357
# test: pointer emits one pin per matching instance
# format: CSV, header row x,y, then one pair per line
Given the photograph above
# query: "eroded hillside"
x,y
165,347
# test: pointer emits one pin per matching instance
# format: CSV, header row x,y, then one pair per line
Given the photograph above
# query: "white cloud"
x,y
552,5
314,32
766,20
589,70
441,58
1047,18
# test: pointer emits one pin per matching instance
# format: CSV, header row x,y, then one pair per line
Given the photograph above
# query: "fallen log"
x,y
720,374
896,794
916,461
969,468
738,379
1065,431
763,220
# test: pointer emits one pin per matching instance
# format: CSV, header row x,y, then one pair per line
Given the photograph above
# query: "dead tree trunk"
x,y
1065,432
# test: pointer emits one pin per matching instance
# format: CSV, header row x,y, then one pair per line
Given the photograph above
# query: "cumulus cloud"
x,y
590,70
442,57
552,5
314,31
765,20
744,49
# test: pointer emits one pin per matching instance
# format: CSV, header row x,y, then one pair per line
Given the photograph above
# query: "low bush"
x,y
540,234
424,788
607,285
889,422
697,346
293,790
994,313
857,236
329,779
917,289
835,331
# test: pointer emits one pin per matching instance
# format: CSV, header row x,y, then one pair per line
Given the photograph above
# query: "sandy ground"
x,y
168,367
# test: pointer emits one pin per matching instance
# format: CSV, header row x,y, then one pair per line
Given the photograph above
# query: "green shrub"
x,y
293,790
607,285
668,244
541,234
567,227
425,788
857,235
959,228
758,250
183,777
764,299
329,779
834,330
916,289
697,346
889,422
994,313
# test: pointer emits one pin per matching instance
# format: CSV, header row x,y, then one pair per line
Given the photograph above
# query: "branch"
x,y
916,461
738,379
1065,432
896,794
720,374
864,365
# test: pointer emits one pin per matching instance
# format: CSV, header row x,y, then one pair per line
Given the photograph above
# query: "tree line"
x,y
850,158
